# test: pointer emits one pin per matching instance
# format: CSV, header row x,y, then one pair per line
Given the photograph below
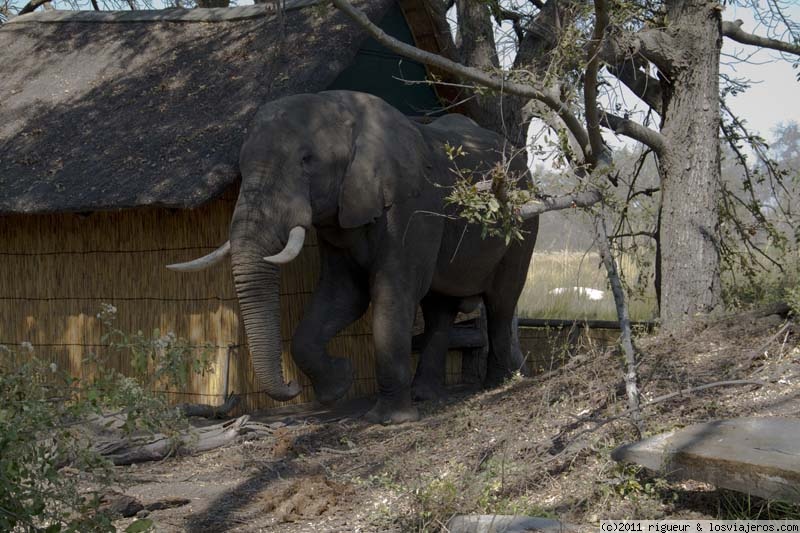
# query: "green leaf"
x,y
139,525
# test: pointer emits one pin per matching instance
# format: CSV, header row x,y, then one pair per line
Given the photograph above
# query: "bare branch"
x,y
626,336
632,234
31,6
654,45
623,126
557,203
733,30
590,83
498,83
501,14
650,191
647,88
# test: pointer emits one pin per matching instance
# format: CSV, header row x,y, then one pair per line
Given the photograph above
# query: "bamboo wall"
x,y
547,348
56,270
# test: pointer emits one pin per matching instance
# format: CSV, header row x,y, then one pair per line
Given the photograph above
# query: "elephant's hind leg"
x,y
341,298
505,357
439,312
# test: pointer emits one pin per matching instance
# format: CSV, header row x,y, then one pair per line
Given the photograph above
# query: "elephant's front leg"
x,y
394,306
341,298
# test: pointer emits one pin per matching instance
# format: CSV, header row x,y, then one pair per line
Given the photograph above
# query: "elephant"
x,y
373,184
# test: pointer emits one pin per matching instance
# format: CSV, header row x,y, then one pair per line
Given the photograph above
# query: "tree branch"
x,y
31,6
644,192
501,84
501,14
733,30
654,45
590,83
557,203
632,234
626,336
646,87
623,126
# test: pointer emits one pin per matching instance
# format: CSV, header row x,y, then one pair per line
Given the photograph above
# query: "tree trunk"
x,y
689,229
475,47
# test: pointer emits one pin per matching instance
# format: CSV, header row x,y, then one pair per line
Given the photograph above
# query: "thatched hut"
x,y
119,139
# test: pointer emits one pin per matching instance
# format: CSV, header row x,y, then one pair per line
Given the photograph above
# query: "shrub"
x,y
42,415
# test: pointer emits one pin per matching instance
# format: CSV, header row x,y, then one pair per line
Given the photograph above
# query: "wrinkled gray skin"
x,y
369,181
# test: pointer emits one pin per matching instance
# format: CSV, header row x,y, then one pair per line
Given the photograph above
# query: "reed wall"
x,y
547,348
57,270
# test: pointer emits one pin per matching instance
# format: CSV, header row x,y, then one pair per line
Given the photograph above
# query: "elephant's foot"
x,y
426,390
388,412
335,383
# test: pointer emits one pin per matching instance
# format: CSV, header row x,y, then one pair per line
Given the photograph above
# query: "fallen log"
x,y
211,411
155,447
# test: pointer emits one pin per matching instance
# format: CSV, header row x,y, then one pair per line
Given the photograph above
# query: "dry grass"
x,y
534,446
566,269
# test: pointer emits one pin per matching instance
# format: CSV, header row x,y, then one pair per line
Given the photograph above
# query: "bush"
x,y
42,415
36,439
765,286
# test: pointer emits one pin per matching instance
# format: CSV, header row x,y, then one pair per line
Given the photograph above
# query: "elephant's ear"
x,y
388,164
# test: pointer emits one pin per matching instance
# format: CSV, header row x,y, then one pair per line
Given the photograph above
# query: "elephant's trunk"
x,y
258,289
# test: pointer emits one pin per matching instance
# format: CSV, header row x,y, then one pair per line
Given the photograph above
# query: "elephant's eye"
x,y
307,158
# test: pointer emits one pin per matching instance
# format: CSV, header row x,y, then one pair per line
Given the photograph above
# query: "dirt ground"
x,y
537,446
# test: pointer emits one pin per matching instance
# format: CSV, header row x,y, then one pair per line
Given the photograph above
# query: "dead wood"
x,y
784,330
154,447
577,442
626,336
211,411
780,309
118,504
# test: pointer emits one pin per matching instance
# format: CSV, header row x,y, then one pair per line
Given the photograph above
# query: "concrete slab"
x,y
755,455
510,524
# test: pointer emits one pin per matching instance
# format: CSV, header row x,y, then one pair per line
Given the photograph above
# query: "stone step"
x,y
511,524
755,455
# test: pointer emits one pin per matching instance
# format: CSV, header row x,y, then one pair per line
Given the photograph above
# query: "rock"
x,y
118,504
510,524
757,456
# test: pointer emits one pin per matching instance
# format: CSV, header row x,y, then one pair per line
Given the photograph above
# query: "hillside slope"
x,y
536,446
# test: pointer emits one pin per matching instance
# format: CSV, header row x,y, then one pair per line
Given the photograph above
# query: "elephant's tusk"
x,y
204,262
292,248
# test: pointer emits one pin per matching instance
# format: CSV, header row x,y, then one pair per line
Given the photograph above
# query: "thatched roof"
x,y
117,110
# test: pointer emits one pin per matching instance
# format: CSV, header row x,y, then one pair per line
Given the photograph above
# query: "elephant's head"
x,y
334,158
